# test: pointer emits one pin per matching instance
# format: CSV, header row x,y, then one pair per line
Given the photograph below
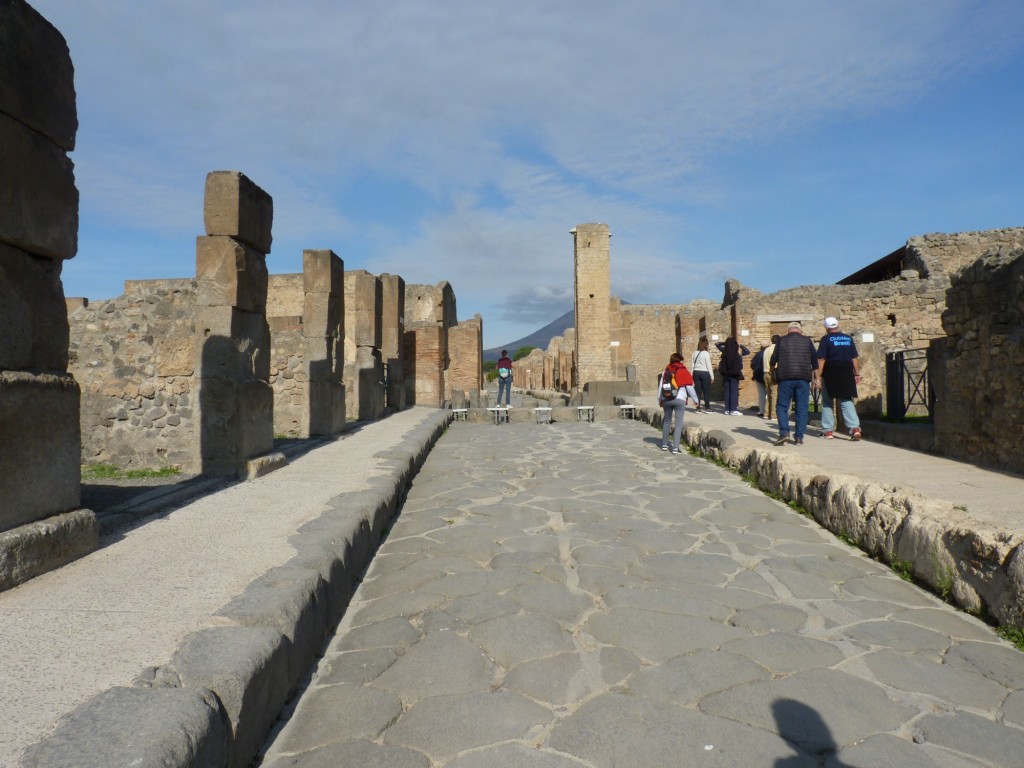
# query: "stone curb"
x,y
215,702
978,567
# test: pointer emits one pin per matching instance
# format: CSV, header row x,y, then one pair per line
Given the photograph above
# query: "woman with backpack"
x,y
505,378
675,387
731,368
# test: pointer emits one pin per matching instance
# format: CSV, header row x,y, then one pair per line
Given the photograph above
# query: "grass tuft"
x,y
110,472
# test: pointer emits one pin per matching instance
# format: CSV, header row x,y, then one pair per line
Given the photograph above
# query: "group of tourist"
x,y
785,371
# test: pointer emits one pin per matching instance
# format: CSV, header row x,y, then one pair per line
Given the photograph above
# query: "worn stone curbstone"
x,y
292,601
247,668
30,550
133,727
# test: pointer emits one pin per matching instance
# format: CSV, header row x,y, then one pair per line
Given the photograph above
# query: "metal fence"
x,y
907,389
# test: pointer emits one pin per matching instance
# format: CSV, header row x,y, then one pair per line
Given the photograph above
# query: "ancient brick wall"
x,y
430,304
465,354
592,292
288,376
425,357
977,370
134,357
653,339
39,401
364,365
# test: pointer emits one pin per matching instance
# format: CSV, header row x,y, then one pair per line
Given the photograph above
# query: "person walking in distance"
x,y
770,389
675,387
757,363
795,363
505,378
731,368
703,374
839,373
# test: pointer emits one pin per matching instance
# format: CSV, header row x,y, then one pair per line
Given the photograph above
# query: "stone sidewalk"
x,y
569,595
232,593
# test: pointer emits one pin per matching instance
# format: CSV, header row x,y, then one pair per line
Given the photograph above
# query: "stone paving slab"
x,y
229,596
572,596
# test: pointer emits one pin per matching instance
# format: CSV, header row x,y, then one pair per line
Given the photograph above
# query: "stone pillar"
x,y
40,469
364,371
392,332
233,338
323,327
465,353
592,284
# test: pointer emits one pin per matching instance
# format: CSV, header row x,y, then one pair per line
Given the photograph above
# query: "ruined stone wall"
x,y
134,358
945,255
40,473
287,375
620,338
977,370
592,292
653,339
465,353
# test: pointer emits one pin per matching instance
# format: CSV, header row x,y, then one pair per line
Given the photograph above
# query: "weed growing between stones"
x,y
110,472
846,538
961,507
902,568
1012,635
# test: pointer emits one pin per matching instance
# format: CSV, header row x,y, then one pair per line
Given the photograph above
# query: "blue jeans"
x,y
677,407
732,393
828,413
789,390
505,385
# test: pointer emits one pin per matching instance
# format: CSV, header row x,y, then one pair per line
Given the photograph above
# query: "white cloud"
x,y
516,121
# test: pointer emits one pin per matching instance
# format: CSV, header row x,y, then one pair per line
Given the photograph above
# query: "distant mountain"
x,y
539,338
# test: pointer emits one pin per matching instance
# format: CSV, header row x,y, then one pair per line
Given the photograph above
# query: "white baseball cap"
x,y
831,322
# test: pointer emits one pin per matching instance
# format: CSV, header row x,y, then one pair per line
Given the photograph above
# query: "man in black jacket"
x,y
796,366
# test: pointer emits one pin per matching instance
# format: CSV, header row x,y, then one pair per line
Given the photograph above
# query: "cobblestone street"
x,y
573,596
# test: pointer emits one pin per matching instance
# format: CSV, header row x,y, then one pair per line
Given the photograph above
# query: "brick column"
x,y
233,344
592,284
465,354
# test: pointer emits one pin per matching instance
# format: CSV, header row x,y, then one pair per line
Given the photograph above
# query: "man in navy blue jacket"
x,y
839,373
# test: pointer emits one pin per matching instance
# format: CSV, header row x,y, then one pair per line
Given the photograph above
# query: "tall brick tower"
x,y
592,285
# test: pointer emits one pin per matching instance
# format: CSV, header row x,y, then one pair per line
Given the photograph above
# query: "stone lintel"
x,y
236,207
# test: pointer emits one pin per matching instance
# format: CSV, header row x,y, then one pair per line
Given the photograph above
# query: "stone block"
x,y
33,316
234,344
31,550
605,392
145,728
38,85
323,271
247,667
326,408
228,272
237,424
322,315
40,469
38,197
363,308
236,207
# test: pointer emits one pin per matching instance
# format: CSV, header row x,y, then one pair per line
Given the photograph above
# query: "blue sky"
x,y
780,143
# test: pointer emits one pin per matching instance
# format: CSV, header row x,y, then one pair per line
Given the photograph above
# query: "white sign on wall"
x,y
614,343
744,333
867,338
714,337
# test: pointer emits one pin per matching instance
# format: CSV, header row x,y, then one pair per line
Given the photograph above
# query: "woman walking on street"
x,y
731,368
703,374
675,387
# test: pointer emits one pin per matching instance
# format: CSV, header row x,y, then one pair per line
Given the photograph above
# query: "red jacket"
x,y
681,374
